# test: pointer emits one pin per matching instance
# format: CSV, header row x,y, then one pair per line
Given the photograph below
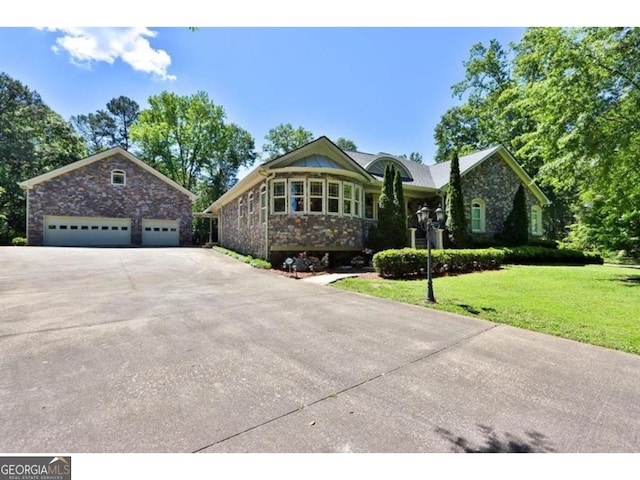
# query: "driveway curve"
x,y
186,350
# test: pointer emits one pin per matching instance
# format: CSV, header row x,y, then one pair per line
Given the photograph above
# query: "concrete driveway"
x,y
185,350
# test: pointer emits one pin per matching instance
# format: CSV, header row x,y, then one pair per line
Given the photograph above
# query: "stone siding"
x,y
248,235
87,191
496,183
316,231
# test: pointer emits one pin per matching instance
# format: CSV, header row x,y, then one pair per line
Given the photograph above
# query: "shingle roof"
x,y
420,173
440,171
431,176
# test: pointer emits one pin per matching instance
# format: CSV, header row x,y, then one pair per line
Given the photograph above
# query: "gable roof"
x,y
312,147
434,177
30,183
441,171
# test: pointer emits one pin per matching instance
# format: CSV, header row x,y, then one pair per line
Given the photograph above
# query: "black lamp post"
x,y
427,225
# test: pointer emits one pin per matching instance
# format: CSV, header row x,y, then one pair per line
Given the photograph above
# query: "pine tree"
x,y
456,223
515,231
386,211
401,228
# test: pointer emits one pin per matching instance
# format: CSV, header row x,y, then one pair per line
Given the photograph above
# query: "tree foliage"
x,y
108,128
566,103
33,140
283,139
515,231
346,144
400,232
187,139
456,223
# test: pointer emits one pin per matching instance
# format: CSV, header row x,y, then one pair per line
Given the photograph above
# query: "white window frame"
x,y
357,205
536,216
481,209
292,197
339,197
117,172
310,196
374,211
263,204
240,211
348,201
249,207
274,197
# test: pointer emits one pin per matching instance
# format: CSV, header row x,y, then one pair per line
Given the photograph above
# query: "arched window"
x,y
536,220
477,216
118,177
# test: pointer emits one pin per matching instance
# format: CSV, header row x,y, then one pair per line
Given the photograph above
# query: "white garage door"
x,y
86,231
160,233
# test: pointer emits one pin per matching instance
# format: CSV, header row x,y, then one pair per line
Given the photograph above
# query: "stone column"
x,y
413,237
439,238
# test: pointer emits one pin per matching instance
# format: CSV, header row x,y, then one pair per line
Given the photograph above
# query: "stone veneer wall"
x,y
317,231
496,183
88,192
287,230
248,236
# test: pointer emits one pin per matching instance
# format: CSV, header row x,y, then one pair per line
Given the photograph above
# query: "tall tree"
x,y
386,229
97,129
346,144
515,231
108,128
186,138
400,232
456,223
283,139
33,140
124,112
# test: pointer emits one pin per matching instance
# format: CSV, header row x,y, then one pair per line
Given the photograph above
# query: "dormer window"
x,y
118,177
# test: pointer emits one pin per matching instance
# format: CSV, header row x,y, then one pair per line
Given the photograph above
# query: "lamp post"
x,y
425,222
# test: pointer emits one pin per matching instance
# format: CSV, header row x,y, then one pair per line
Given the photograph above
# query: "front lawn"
x,y
592,304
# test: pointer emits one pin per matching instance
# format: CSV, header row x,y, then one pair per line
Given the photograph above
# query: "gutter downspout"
x,y
266,220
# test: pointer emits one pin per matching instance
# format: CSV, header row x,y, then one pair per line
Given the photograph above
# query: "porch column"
x,y
413,237
210,229
440,238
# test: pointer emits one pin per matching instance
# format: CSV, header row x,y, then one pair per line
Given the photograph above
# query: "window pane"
x,y
368,205
279,205
297,188
333,205
315,204
347,191
315,189
278,189
334,189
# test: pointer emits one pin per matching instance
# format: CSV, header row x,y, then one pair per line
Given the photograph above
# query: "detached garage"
x,y
109,199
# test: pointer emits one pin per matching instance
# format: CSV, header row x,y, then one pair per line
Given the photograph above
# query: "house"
x,y
111,198
319,198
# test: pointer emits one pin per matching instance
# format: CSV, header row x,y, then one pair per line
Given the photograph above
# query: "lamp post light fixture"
x,y
427,224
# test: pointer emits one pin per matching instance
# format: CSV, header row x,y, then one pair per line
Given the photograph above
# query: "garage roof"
x,y
28,184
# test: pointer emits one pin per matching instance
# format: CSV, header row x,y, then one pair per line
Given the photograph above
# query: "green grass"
x,y
254,262
592,304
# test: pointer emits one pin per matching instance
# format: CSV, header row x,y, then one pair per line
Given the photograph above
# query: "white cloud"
x,y
88,45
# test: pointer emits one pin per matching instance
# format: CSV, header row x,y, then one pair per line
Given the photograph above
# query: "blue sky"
x,y
384,88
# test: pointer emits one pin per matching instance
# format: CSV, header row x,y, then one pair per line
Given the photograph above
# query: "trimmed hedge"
x,y
19,241
549,256
409,261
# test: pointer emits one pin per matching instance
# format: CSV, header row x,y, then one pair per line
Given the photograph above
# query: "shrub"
x,y
545,256
410,261
19,241
542,242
